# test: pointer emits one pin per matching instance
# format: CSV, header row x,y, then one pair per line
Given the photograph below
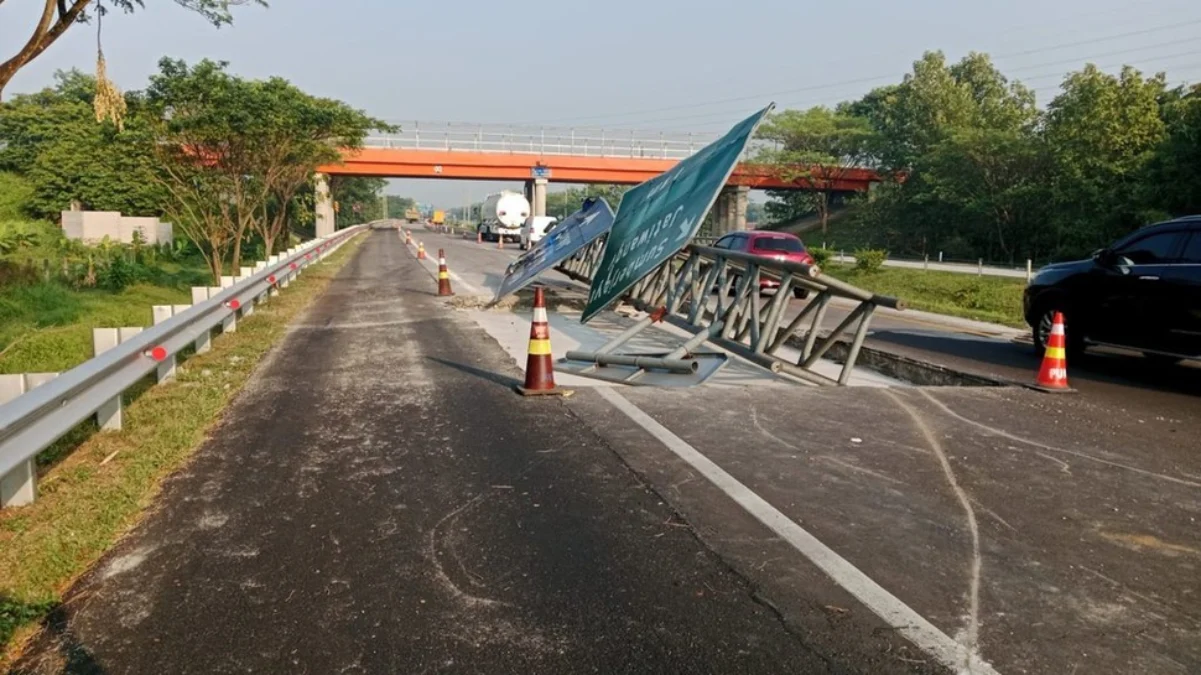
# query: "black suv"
x,y
1142,293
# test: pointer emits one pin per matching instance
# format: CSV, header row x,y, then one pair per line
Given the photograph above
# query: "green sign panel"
x,y
659,217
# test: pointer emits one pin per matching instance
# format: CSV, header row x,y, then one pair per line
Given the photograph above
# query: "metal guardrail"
x,y
516,139
33,421
681,291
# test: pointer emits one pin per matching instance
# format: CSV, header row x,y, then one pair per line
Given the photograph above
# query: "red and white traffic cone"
x,y
539,364
1053,375
420,251
408,238
479,236
443,275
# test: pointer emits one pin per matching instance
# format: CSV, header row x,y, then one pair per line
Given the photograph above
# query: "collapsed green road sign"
x,y
660,216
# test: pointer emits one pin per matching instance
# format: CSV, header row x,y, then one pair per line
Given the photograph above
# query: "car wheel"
x,y
1046,318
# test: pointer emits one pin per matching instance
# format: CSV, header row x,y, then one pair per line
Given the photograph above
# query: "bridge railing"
x,y
515,139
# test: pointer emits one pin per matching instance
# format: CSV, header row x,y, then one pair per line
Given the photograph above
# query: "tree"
x,y
994,182
935,100
54,141
300,132
398,206
347,191
1174,175
59,15
817,149
1102,131
563,203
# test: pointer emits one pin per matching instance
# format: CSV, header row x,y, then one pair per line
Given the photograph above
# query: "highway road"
x,y
379,500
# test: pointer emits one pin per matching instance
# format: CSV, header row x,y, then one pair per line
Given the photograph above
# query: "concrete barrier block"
x,y
19,486
34,380
227,281
128,332
11,386
179,309
199,294
104,339
214,291
246,271
204,343
161,313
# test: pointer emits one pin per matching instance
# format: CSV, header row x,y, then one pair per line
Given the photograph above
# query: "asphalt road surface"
x,y
380,501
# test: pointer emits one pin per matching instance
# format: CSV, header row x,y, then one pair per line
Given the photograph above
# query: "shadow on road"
x,y
497,378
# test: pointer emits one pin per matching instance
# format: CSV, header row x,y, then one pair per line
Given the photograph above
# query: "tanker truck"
x,y
503,215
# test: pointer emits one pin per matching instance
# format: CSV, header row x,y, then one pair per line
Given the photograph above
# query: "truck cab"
x,y
534,229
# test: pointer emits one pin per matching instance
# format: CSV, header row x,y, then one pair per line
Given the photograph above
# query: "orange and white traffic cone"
x,y
1053,375
539,364
443,275
408,238
479,236
420,251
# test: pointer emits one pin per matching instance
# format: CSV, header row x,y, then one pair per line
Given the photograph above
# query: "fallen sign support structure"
x,y
681,289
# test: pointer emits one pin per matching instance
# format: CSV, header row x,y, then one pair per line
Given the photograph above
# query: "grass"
x,y
47,326
992,299
85,503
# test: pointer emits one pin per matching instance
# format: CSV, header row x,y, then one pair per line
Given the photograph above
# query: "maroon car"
x,y
777,245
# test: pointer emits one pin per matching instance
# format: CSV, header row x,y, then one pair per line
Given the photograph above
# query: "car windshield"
x,y
781,244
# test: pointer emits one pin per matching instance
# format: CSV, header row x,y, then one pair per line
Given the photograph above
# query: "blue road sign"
x,y
568,236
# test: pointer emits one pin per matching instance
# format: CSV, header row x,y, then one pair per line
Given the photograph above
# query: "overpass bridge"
x,y
538,155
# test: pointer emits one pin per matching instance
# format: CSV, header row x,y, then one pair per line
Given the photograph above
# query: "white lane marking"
x,y
883,604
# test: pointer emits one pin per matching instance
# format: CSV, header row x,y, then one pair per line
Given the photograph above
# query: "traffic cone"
x,y
1053,375
443,275
479,236
408,238
420,251
539,365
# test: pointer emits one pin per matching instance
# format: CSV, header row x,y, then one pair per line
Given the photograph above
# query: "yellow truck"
x,y
439,217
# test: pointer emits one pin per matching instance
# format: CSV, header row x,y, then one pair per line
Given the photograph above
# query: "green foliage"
x,y
64,155
351,192
992,299
868,260
980,172
821,256
397,206
563,203
15,193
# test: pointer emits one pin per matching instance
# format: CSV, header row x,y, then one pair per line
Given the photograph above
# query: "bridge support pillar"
x,y
538,203
325,207
729,211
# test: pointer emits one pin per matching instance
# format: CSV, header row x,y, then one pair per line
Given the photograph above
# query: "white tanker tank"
x,y
503,215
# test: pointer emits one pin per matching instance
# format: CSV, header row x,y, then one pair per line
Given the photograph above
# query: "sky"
x,y
660,65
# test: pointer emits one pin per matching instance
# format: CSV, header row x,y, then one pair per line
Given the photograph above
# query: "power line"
x,y
865,80
711,115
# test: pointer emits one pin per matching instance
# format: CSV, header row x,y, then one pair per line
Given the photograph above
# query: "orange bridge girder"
x,y
467,165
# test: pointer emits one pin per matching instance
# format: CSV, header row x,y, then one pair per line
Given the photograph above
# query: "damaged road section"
x,y
378,500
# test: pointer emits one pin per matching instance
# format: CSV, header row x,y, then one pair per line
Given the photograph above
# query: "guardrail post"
x,y
980,267
166,367
19,486
1029,270
108,415
205,341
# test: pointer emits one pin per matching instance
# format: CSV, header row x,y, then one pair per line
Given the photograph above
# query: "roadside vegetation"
x,y
978,167
90,496
991,299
